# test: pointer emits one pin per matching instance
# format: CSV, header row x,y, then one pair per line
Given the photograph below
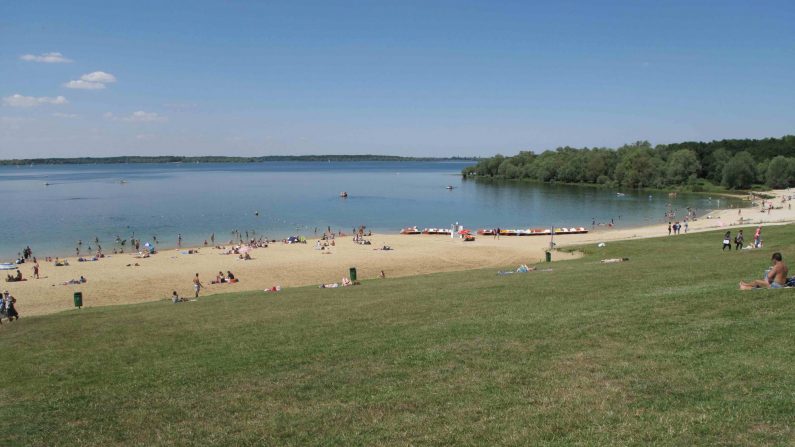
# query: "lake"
x,y
50,208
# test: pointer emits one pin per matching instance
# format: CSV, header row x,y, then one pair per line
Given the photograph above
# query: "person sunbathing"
x,y
75,281
775,278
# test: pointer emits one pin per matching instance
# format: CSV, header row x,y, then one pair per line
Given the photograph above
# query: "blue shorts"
x,y
775,285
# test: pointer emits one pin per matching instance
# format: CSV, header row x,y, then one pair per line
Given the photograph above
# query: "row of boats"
x,y
503,232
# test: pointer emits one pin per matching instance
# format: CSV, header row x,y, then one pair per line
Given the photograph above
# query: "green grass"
x,y
660,350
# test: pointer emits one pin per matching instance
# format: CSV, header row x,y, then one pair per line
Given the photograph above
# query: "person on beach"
x,y
775,278
758,237
10,305
727,241
179,240
197,285
669,228
738,240
175,298
36,270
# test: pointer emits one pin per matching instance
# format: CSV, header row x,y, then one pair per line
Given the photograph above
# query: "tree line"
x,y
734,164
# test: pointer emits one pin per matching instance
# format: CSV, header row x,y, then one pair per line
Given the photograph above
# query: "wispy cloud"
x,y
180,106
99,76
92,81
84,85
17,100
64,115
47,58
137,117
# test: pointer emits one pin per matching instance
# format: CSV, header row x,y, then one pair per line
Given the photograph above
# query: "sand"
x,y
112,282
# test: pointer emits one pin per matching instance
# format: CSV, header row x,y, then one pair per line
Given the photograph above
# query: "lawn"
x,y
660,350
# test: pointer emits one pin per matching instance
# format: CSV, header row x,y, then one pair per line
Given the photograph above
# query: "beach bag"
x,y
790,282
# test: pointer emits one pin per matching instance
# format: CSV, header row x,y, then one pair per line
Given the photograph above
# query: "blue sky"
x,y
404,77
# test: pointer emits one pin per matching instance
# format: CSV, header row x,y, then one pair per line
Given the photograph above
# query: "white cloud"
x,y
99,76
137,117
92,81
84,85
17,100
47,58
64,115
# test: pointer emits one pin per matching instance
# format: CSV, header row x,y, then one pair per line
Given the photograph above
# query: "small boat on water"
x,y
449,187
344,194
620,194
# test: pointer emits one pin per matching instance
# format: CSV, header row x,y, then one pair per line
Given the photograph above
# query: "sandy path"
x,y
111,282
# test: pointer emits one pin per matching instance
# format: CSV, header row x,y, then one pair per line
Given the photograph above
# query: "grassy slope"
x,y
661,350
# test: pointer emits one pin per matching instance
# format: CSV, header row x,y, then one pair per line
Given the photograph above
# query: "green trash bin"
x,y
353,273
549,256
78,299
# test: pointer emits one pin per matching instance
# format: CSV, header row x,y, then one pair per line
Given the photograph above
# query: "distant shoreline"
x,y
218,159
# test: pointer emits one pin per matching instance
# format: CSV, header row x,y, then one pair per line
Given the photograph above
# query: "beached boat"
x,y
410,230
437,231
533,231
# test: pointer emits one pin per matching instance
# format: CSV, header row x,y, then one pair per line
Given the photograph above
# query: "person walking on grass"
x,y
738,240
197,285
727,241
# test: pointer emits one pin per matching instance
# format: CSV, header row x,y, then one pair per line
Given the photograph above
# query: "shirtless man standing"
x,y
776,276
197,285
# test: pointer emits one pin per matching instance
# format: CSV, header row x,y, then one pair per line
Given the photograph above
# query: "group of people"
x,y
220,278
15,278
739,239
676,227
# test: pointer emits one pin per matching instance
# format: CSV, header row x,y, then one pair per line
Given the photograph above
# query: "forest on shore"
x,y
694,166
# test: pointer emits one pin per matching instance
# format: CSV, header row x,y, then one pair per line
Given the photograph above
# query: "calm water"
x,y
84,202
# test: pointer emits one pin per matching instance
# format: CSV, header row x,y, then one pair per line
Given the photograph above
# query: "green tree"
x,y
681,165
638,167
739,172
779,172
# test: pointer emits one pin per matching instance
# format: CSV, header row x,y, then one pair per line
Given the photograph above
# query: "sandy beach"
x,y
118,280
